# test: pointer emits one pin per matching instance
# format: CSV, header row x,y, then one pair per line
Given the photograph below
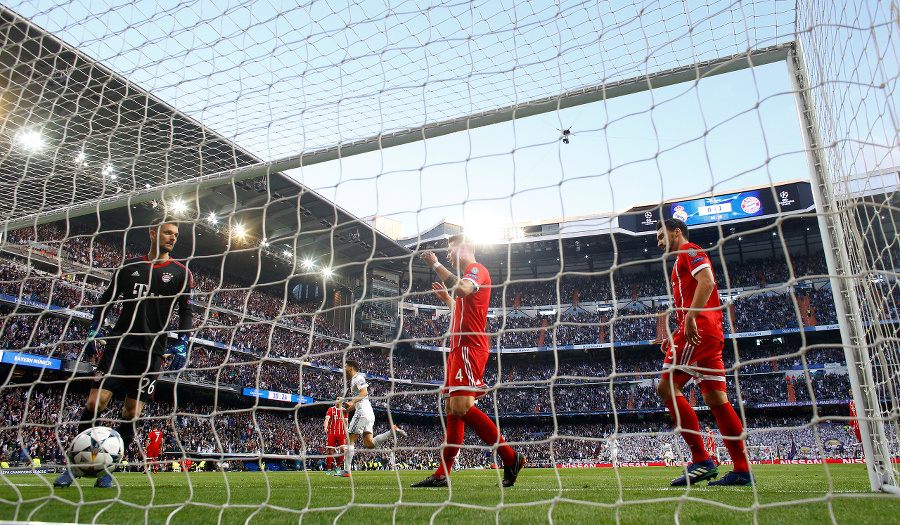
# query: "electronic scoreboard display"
x,y
795,196
716,209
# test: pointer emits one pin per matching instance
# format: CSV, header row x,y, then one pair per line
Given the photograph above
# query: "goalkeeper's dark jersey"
x,y
149,293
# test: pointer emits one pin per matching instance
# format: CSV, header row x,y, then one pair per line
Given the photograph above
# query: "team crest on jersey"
x,y
166,277
692,253
474,270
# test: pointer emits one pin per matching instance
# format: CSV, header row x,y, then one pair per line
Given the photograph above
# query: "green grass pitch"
x,y
784,494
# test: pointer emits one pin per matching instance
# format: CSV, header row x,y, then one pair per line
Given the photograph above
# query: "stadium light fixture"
x,y
30,140
327,272
239,231
287,254
178,206
109,171
212,219
264,243
80,159
308,264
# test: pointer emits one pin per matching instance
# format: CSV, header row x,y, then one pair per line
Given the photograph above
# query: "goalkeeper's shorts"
x,y
128,372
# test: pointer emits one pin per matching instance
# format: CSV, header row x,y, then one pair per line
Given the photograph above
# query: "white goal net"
x,y
312,153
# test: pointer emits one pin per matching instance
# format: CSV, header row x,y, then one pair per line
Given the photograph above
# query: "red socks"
x,y
456,430
730,426
485,428
686,418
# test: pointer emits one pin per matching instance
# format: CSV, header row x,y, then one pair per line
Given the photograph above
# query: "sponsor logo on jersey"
x,y
135,274
750,205
167,277
698,259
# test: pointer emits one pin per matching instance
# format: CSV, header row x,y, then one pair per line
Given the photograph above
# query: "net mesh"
x,y
242,123
858,118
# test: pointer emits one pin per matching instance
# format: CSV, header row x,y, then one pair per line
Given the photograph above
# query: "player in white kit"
x,y
363,421
613,448
668,454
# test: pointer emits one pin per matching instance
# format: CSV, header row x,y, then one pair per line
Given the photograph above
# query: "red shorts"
x,y
465,368
153,452
335,440
702,363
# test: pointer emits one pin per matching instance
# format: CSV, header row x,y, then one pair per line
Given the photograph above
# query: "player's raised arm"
x,y
441,292
452,284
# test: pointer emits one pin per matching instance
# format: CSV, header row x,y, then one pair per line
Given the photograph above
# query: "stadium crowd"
x,y
755,273
267,325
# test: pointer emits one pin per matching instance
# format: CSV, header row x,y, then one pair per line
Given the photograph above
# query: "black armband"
x,y
451,281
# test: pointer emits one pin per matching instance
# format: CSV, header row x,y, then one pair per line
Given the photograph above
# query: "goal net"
x,y
312,154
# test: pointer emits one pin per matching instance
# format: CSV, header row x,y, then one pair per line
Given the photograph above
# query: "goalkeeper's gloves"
x,y
180,347
179,350
92,341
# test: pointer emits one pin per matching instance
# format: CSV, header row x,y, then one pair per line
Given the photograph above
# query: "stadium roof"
x,y
78,139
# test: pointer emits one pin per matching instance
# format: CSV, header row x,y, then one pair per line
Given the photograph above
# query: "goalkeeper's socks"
x,y
348,457
456,430
488,432
731,427
686,418
126,430
87,419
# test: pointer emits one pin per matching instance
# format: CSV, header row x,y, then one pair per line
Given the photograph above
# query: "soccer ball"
x,y
95,451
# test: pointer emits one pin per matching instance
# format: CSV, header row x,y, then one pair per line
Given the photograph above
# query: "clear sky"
x,y
280,78
695,139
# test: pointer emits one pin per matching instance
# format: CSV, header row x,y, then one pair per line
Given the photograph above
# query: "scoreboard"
x,y
756,203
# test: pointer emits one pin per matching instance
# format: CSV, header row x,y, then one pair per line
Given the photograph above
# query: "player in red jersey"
x,y
336,433
469,349
710,442
854,423
694,351
154,447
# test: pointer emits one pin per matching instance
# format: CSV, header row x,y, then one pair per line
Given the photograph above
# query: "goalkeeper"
x,y
149,288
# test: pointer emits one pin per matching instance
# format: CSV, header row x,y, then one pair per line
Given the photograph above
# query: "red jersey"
x,y
692,259
155,438
470,312
335,421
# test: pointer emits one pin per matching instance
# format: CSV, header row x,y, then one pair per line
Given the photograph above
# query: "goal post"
x,y
872,356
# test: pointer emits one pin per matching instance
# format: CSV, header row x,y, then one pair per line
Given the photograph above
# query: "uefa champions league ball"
x,y
95,451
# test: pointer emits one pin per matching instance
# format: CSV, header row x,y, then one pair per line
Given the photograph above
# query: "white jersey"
x,y
363,420
356,385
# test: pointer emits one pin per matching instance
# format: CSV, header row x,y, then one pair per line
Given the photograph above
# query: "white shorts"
x,y
362,421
